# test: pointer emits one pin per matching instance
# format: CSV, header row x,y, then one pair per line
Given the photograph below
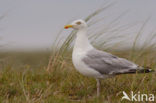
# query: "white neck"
x,y
82,42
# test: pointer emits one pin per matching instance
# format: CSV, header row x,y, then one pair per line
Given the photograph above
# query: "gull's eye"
x,y
78,23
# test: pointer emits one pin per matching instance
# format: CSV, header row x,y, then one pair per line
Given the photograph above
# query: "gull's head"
x,y
77,24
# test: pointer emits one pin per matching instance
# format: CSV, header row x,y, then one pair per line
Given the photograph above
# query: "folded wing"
x,y
109,64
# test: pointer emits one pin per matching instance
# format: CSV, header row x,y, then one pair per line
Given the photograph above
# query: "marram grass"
x,y
65,85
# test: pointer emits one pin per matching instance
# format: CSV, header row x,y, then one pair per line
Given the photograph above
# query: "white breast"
x,y
80,66
81,47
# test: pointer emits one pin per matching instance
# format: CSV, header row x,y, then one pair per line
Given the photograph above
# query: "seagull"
x,y
95,63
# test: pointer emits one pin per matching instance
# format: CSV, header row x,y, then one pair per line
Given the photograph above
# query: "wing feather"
x,y
106,63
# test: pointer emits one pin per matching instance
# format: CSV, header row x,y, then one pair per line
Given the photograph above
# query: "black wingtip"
x,y
146,70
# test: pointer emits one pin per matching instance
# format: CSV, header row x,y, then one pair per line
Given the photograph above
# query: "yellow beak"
x,y
68,26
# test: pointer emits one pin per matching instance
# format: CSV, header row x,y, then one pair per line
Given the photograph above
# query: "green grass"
x,y
65,85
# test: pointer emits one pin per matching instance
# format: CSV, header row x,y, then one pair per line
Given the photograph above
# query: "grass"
x,y
65,85
26,78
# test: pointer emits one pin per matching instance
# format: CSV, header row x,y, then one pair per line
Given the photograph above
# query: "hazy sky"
x,y
35,23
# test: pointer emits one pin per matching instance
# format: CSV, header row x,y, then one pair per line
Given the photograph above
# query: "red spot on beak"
x,y
66,27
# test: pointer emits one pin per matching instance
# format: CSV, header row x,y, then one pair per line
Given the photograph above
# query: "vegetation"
x,y
25,77
21,83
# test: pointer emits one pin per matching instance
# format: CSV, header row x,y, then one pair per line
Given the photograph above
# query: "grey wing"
x,y
106,63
